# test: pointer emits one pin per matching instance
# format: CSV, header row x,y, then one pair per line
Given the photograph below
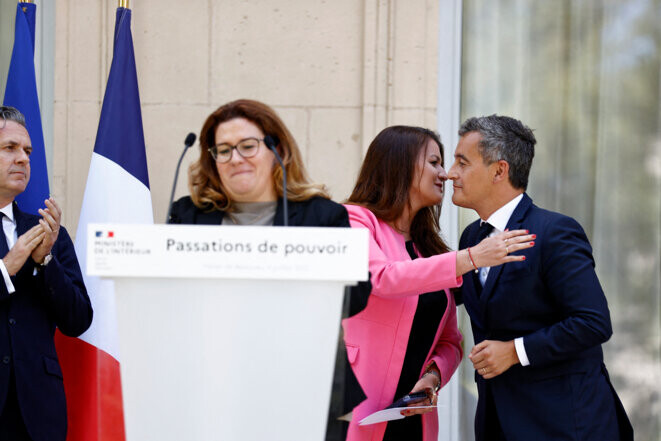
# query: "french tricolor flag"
x,y
117,191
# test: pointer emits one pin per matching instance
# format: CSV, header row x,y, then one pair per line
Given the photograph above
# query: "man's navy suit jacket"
x,y
55,296
554,301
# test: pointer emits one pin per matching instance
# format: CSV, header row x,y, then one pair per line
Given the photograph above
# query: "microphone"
x,y
190,140
272,142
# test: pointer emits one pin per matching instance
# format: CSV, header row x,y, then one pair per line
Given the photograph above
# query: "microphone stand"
x,y
271,142
190,140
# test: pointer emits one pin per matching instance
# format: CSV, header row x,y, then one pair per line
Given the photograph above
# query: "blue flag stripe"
x,y
120,137
21,92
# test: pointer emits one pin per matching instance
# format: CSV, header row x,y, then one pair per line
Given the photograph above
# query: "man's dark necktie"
x,y
485,229
4,249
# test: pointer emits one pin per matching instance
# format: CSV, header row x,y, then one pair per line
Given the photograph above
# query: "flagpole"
x,y
123,4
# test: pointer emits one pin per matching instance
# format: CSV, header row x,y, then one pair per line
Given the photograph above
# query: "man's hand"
x,y
24,246
491,357
50,223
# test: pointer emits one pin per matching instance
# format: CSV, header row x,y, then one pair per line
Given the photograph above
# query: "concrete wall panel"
x,y
171,40
335,154
83,123
84,29
166,127
287,53
337,72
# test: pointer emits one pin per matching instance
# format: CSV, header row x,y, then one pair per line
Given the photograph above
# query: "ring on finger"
x,y
507,250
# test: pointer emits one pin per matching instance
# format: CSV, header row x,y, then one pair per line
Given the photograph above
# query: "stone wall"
x,y
336,71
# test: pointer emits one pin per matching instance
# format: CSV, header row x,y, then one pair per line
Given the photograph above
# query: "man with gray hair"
x,y
538,324
41,288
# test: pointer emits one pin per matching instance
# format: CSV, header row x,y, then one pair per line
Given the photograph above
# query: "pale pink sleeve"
x,y
406,277
447,353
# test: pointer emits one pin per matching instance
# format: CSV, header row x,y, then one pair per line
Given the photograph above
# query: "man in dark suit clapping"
x,y
41,287
538,324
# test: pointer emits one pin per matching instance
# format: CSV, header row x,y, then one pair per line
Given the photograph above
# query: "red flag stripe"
x,y
92,376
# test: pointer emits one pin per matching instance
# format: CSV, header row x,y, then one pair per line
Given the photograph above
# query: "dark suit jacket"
x,y
554,301
315,212
55,296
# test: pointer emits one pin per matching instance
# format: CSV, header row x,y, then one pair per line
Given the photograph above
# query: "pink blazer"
x,y
376,338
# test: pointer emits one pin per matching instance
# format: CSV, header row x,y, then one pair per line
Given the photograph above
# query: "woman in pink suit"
x,y
406,338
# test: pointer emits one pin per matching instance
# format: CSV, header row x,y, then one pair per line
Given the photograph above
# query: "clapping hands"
x,y
38,241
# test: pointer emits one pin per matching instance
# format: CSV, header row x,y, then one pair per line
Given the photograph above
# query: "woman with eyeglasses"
x,y
237,180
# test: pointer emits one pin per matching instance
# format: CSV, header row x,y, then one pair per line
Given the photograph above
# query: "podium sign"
x,y
227,333
275,253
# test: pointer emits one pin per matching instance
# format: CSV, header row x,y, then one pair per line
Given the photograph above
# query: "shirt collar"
x,y
501,217
8,210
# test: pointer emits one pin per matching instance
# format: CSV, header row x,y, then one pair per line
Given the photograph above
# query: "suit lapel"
x,y
214,217
473,233
470,290
513,224
473,240
23,221
294,213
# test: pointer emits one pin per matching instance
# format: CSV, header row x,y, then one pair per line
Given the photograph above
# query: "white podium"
x,y
227,333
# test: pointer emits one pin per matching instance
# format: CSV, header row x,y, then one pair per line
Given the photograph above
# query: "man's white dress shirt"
x,y
499,220
9,227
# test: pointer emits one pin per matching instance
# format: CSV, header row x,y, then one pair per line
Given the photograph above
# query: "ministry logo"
x,y
106,243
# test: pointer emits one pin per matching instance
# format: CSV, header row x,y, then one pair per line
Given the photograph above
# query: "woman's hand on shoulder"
x,y
498,249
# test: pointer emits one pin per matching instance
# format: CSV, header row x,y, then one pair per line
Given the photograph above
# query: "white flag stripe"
x,y
112,195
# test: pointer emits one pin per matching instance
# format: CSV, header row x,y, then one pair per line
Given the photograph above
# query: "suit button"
x,y
12,321
6,359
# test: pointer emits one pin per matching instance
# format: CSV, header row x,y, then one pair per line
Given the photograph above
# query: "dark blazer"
x,y
315,212
554,301
55,296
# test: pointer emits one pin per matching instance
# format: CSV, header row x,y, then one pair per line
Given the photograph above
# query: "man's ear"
x,y
502,171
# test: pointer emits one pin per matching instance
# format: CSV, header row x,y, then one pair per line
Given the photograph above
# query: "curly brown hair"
x,y
206,189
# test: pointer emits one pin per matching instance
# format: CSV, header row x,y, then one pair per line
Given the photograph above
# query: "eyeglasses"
x,y
247,148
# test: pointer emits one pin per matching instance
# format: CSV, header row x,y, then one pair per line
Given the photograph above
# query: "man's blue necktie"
x,y
485,229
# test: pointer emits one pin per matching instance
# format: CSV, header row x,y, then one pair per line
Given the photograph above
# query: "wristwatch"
x,y
47,259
